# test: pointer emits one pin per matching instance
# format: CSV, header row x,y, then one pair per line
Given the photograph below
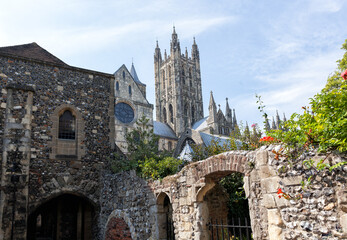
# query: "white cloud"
x,y
325,6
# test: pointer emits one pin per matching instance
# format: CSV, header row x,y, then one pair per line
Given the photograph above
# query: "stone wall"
x,y
48,172
319,214
128,197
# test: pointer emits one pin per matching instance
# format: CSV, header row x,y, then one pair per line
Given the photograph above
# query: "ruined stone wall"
x,y
88,95
128,197
319,214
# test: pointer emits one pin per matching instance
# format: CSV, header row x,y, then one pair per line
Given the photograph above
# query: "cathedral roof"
x,y
31,51
201,124
163,130
186,153
221,140
134,74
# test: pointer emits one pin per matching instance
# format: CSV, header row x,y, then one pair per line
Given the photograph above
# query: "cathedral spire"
x,y
228,112
234,119
195,51
278,120
267,124
157,53
175,44
273,126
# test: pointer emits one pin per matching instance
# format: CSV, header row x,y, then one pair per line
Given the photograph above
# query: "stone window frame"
x,y
79,132
130,90
117,85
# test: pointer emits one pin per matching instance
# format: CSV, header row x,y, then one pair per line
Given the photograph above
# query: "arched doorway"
x,y
165,220
66,217
226,207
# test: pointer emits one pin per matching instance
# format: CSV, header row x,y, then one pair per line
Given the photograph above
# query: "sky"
x,y
283,51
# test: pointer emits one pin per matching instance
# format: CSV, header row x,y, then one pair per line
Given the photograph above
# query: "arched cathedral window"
x,y
193,114
129,90
171,113
163,73
123,75
164,115
66,125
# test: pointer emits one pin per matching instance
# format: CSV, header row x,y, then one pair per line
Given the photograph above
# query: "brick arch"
x,y
214,168
119,227
221,165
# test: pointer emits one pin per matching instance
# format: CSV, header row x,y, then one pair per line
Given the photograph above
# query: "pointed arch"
x,y
171,113
164,115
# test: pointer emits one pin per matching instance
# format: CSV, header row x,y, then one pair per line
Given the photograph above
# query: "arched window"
x,y
190,72
123,75
183,71
171,113
117,86
129,90
67,125
193,114
163,73
186,109
169,71
170,146
164,115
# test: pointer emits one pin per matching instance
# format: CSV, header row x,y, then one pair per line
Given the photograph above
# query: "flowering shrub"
x,y
324,123
267,139
344,75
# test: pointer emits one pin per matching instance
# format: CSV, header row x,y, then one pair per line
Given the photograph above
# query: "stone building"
x,y
179,105
178,86
130,104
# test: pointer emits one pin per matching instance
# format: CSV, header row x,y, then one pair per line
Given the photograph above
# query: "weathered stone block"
x,y
268,201
274,217
292,181
246,186
275,233
261,158
266,171
343,222
270,185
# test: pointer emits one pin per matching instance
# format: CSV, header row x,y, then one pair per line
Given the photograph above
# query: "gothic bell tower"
x,y
178,90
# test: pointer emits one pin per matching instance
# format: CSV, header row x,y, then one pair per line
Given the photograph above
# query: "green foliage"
x,y
324,123
144,155
159,168
142,142
233,184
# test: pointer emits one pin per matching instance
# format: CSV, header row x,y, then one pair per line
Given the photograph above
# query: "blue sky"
x,y
281,50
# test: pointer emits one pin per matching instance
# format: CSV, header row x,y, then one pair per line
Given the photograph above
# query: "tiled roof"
x,y
31,51
163,130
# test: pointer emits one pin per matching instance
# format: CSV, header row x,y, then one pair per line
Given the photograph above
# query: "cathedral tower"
x,y
178,90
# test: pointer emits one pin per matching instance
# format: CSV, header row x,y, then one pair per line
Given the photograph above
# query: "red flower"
x,y
344,75
279,191
266,139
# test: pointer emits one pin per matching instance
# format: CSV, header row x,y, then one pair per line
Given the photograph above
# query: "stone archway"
x,y
189,187
165,217
61,218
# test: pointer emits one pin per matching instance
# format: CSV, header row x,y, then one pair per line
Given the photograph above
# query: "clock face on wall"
x,y
124,112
